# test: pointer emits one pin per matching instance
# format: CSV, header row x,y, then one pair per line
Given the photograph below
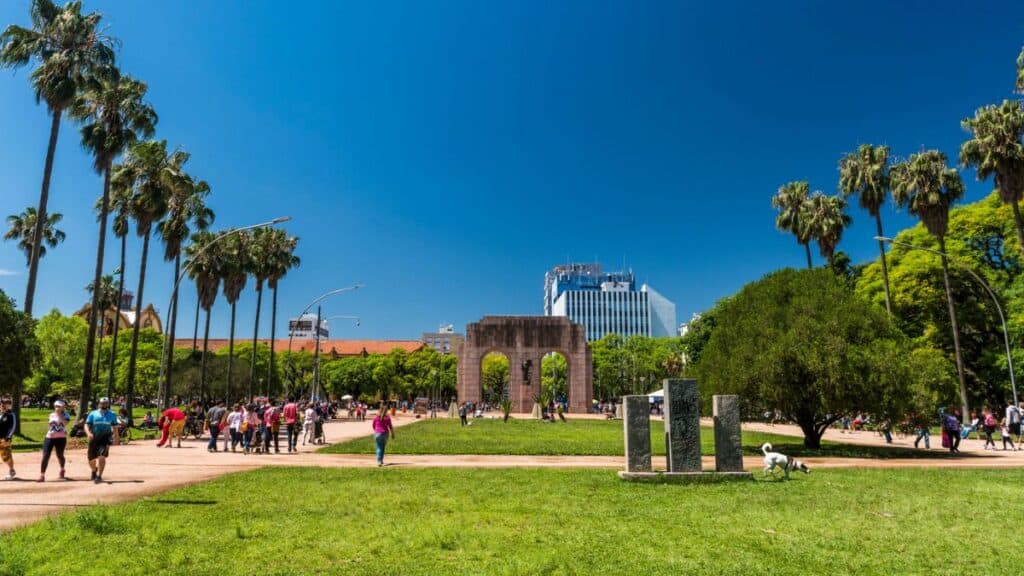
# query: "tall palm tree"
x,y
827,220
261,251
280,261
186,206
204,262
120,206
234,272
67,47
104,298
115,114
152,174
866,174
928,187
22,227
791,202
1019,86
995,148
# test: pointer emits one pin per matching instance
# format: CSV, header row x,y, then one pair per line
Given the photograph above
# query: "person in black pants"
x,y
56,440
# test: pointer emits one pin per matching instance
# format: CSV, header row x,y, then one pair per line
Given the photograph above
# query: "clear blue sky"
x,y
447,153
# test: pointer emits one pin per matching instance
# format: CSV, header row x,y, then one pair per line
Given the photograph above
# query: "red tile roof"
x,y
328,347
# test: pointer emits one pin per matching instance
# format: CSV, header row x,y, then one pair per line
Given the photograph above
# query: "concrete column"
x,y
728,438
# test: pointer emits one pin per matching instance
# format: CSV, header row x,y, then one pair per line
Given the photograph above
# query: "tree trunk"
x,y
195,331
117,319
129,401
255,336
90,342
1019,222
885,265
99,353
231,355
169,345
273,326
956,333
807,248
37,238
202,369
812,437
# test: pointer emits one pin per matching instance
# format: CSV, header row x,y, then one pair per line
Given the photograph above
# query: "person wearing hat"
x,y
8,423
56,439
99,427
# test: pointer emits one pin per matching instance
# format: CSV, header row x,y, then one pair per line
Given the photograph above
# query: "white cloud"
x,y
6,272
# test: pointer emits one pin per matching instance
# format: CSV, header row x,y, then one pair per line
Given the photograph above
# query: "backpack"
x,y
951,423
990,421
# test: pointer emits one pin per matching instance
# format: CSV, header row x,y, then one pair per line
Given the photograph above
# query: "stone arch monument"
x,y
524,340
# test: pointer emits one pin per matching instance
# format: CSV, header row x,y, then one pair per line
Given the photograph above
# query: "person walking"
x,y
382,428
214,422
8,423
989,426
309,425
463,414
56,440
1004,430
99,427
951,427
291,422
1013,420
921,423
271,426
250,423
234,423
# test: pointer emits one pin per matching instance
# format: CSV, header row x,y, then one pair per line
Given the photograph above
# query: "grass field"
x,y
517,521
577,438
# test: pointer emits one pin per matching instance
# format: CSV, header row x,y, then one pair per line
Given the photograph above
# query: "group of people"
x,y
986,424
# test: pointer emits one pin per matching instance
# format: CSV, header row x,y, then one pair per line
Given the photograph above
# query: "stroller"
x,y
318,431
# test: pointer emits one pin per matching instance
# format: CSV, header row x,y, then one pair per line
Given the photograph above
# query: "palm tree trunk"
x,y
130,387
195,331
231,355
202,370
174,325
273,325
99,353
37,234
117,318
90,342
807,248
255,336
1019,222
885,265
956,332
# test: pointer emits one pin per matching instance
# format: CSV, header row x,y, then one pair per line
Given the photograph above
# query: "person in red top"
x,y
172,423
271,425
291,422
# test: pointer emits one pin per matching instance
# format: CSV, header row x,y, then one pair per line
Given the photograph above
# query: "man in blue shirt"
x,y
99,426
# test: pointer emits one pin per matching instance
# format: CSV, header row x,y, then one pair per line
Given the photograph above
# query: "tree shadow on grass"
x,y
187,502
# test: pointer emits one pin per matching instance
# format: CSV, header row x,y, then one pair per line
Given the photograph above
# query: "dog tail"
x,y
765,448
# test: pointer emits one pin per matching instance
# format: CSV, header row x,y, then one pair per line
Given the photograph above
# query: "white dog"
x,y
773,460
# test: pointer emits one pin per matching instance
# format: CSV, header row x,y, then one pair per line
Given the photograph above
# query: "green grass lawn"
x,y
518,521
577,438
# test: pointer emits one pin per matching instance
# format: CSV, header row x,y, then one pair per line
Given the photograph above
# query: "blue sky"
x,y
447,153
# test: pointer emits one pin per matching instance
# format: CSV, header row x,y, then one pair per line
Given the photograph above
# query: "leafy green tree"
x,y
995,149
791,202
927,187
62,346
104,297
18,351
21,228
804,343
554,375
866,174
494,376
114,114
68,47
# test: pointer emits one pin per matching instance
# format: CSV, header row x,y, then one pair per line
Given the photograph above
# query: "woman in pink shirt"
x,y
56,439
382,428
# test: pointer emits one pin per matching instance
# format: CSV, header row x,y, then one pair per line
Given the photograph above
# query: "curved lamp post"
x,y
988,289
315,302
167,348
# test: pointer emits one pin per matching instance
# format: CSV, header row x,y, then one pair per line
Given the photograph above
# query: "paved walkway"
x,y
140,468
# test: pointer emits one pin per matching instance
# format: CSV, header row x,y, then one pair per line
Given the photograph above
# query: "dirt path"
x,y
141,469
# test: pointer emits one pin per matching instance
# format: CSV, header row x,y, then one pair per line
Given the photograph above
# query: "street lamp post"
x,y
992,295
165,365
316,301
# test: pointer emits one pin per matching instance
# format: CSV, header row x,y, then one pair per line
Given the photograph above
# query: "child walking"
x,y
1004,429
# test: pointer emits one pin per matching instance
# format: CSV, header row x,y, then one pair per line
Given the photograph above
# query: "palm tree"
x,y
186,205
234,271
104,298
791,202
21,227
827,219
115,115
280,261
204,262
1019,86
152,174
866,174
261,249
67,46
928,187
120,206
995,149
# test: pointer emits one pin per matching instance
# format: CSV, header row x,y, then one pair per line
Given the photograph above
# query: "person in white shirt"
x,y
309,425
